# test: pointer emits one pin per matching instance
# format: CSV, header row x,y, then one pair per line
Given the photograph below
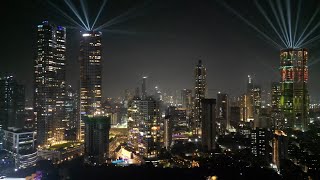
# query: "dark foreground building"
x,y
96,140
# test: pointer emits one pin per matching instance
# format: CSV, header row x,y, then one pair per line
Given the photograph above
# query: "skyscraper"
x,y
150,111
275,106
260,143
12,103
49,82
251,101
223,112
144,87
279,148
72,112
200,93
186,98
96,139
145,135
208,136
294,101
90,75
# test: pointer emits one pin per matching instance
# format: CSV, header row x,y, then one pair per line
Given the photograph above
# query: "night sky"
x,y
165,40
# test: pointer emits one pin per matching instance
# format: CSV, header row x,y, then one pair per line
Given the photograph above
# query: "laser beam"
x,y
75,12
269,21
289,22
282,18
123,17
297,22
66,15
84,10
306,28
99,12
278,21
249,23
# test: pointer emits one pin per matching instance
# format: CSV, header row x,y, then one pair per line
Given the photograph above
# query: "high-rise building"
x,y
96,139
200,89
90,75
30,119
144,87
279,148
134,121
167,136
222,112
49,82
260,143
275,106
208,136
250,102
71,122
12,103
246,108
186,99
294,101
152,136
145,133
234,116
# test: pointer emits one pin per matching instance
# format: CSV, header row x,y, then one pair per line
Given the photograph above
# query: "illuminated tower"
x,y
49,82
144,88
200,93
275,104
279,148
250,101
90,75
294,100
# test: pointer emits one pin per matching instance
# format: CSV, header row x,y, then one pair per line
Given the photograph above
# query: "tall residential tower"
x,y
200,93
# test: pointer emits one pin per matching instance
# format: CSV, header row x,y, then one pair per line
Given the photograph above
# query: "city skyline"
x,y
208,87
170,47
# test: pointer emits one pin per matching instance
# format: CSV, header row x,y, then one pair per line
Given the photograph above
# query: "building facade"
x,y
49,82
279,148
187,101
96,143
275,106
200,89
12,103
222,112
90,76
21,144
208,136
294,101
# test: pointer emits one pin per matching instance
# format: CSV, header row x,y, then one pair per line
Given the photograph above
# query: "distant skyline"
x,y
165,42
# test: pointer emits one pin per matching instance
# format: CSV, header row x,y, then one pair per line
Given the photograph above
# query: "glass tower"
x,y
49,82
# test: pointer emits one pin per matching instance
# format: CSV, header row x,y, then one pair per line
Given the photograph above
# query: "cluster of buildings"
x,y
154,120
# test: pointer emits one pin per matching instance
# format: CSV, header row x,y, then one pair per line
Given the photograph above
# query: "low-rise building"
x,y
21,144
